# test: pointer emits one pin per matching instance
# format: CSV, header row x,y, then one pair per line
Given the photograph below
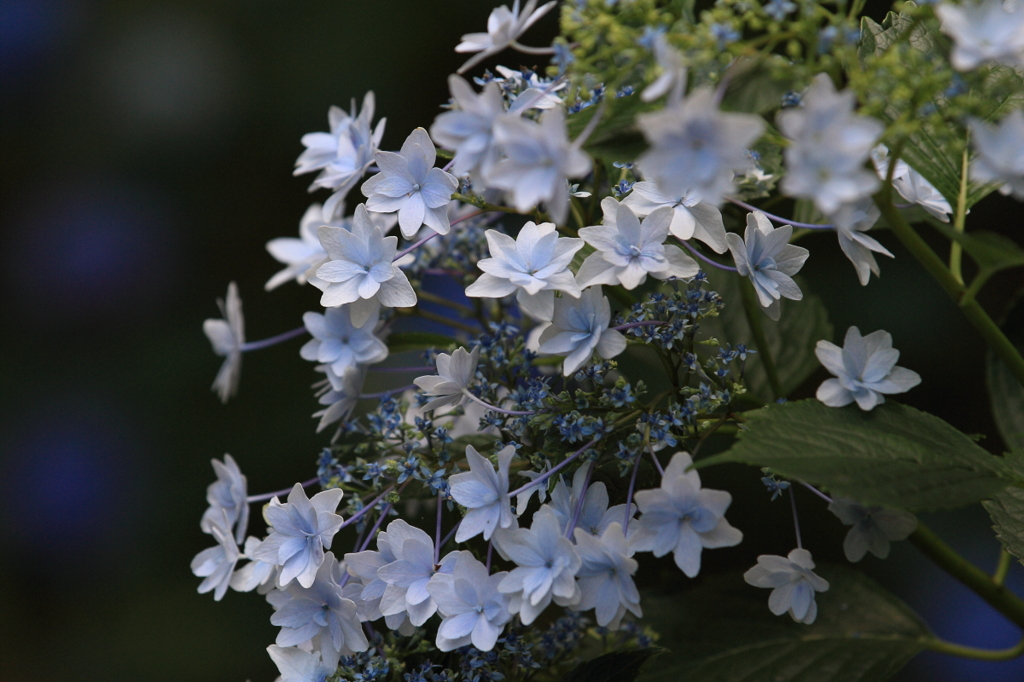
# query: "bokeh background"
x,y
146,149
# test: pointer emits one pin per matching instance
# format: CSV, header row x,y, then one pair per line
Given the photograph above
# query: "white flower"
x,y
364,567
534,266
595,516
407,576
539,159
852,221
473,609
982,31
873,527
825,161
299,255
503,27
579,328
606,576
682,518
793,584
769,260
256,573
227,499
692,218
1000,153
339,343
318,612
455,373
484,492
227,336
339,393
217,563
360,269
296,665
546,565
865,367
695,147
300,531
344,154
410,184
911,185
628,250
672,81
469,129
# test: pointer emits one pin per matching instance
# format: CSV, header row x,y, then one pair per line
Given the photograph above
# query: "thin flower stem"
x,y
579,502
816,491
493,408
645,323
285,491
441,300
490,551
450,534
437,528
526,49
403,369
945,647
955,250
408,250
553,470
382,394
796,519
657,464
581,139
373,531
366,508
704,258
273,340
752,309
629,495
434,317
780,219
1003,567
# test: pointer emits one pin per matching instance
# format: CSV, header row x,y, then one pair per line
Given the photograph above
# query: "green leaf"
x,y
722,630
791,340
991,251
402,341
1007,510
618,666
893,455
1007,396
756,86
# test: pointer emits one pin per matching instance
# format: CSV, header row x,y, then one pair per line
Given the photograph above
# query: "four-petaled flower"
x,y
765,255
339,343
865,367
484,492
793,582
300,531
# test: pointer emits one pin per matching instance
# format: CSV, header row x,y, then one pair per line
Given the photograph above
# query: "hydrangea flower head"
x,y
410,184
793,583
983,31
360,270
533,266
873,528
865,368
227,336
504,26
300,531
765,255
628,250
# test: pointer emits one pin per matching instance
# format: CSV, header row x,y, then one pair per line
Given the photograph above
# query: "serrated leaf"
x,y
403,341
618,666
893,455
722,631
1004,391
791,340
1007,511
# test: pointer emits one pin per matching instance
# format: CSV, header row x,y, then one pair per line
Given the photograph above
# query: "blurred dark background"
x,y
146,150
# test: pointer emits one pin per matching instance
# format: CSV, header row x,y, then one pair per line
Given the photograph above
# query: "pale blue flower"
x,y
595,515
533,266
672,80
546,565
217,563
484,492
371,588
299,255
628,250
473,609
455,373
1000,151
227,499
852,221
865,367
339,394
873,527
793,584
410,184
692,218
296,665
778,9
300,531
769,260
360,270
683,518
504,26
227,336
318,613
407,576
255,575
469,129
606,576
982,31
579,328
339,343
695,147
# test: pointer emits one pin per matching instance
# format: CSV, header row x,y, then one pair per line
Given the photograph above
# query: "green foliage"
x,y
893,455
403,341
992,252
618,666
1007,510
791,340
722,630
1007,396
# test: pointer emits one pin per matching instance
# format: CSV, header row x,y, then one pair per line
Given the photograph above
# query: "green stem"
x,y
1003,567
997,596
955,250
988,329
440,300
752,308
970,652
427,315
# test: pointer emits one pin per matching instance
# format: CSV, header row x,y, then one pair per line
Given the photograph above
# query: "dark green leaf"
x,y
791,340
618,666
1007,510
1007,397
756,87
893,455
992,252
402,341
722,630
